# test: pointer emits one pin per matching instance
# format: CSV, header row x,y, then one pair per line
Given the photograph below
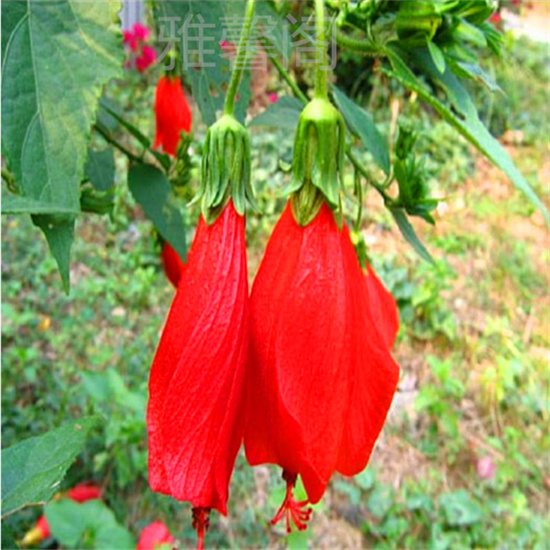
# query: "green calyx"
x,y
319,149
225,170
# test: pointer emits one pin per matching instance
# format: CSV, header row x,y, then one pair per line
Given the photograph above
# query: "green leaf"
x,y
204,37
362,125
33,469
460,509
282,114
474,72
59,232
467,122
57,57
72,523
100,168
408,232
16,204
153,193
437,56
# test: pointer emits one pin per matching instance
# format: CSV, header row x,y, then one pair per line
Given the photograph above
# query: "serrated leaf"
x,y
153,193
204,63
282,114
71,521
100,168
468,123
57,56
408,232
59,232
33,469
362,125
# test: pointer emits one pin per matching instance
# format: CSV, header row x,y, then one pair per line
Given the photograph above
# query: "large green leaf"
x,y
33,469
57,57
362,125
204,63
152,191
465,119
70,522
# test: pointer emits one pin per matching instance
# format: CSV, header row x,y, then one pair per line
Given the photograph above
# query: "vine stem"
x,y
238,67
117,145
321,87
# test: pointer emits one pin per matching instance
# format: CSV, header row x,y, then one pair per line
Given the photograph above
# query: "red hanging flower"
x,y
154,536
383,308
194,415
320,375
172,113
172,264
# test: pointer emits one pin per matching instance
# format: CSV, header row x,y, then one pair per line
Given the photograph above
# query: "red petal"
x,y
196,381
374,374
383,308
299,383
172,264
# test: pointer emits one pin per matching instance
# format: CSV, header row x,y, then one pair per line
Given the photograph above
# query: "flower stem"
x,y
238,67
321,87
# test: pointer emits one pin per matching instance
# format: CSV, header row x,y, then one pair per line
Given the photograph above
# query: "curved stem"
x,y
116,144
321,88
286,75
229,105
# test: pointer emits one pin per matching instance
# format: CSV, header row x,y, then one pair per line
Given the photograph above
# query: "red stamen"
x,y
291,509
201,522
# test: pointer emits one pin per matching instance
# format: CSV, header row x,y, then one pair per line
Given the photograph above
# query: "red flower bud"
x,y
194,415
172,113
154,536
172,264
320,375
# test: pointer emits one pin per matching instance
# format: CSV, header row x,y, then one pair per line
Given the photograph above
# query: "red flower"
x,y
84,492
172,114
194,415
383,308
154,536
172,264
320,375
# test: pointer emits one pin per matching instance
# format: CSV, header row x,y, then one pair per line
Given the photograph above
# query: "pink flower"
x,y
141,32
486,468
148,57
130,40
273,97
